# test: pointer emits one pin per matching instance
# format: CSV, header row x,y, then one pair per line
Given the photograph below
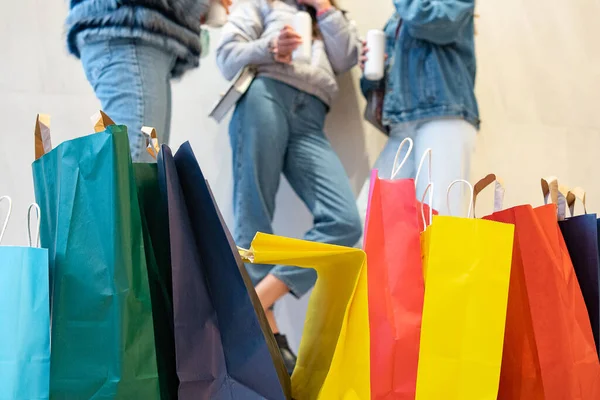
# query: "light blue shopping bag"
x,y
24,319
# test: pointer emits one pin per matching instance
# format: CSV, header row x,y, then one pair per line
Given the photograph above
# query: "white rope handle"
x,y
426,154
396,168
5,223
470,197
429,189
35,207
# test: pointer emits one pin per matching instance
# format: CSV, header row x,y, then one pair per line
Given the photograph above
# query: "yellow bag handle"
x,y
245,254
468,184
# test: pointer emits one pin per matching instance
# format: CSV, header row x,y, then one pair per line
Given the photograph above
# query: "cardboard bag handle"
x,y
5,223
42,138
246,255
498,191
556,194
152,146
101,121
572,196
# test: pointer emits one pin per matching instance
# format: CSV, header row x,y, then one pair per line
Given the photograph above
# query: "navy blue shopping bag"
x,y
581,237
224,348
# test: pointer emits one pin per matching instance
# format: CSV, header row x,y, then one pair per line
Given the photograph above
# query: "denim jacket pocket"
x,y
431,79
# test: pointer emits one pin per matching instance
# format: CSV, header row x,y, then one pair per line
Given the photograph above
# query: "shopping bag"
x,y
155,228
579,342
24,319
156,247
581,237
224,346
102,327
333,360
466,290
395,283
549,352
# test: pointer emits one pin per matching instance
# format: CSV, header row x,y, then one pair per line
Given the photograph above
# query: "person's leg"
x,y
316,174
385,163
259,135
166,136
452,142
132,81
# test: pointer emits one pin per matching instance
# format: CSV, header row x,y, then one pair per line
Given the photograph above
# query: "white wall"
x,y
538,86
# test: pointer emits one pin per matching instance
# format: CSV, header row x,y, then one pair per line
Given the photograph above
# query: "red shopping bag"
x,y
396,288
549,350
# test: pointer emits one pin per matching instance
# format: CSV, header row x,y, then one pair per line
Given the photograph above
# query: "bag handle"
x,y
429,189
426,154
33,206
464,182
245,254
101,121
572,196
42,139
8,212
556,194
396,168
152,146
498,191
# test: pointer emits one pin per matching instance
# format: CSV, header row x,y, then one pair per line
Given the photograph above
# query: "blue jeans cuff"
x,y
299,284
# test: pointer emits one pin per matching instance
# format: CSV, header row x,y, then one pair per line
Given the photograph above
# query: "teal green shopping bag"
x,y
155,225
102,339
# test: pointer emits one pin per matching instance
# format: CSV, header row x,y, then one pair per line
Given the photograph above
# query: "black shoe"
x,y
289,358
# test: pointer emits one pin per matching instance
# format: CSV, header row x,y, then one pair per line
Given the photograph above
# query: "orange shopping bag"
x,y
549,351
395,282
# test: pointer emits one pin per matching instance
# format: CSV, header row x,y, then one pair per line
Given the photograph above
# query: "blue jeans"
x,y
132,81
452,141
278,129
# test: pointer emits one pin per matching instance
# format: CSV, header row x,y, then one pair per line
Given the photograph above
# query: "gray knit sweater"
x,y
254,23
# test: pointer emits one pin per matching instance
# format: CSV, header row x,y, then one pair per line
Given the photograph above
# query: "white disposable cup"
x,y
374,67
303,26
217,15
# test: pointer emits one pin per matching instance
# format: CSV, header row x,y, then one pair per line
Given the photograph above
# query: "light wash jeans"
x,y
452,142
278,129
132,81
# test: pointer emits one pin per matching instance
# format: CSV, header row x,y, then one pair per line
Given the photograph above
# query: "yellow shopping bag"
x,y
466,291
333,361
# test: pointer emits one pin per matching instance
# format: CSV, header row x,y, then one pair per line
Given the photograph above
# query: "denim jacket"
x,y
430,71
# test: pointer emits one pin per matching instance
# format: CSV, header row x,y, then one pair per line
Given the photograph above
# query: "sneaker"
x,y
289,358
